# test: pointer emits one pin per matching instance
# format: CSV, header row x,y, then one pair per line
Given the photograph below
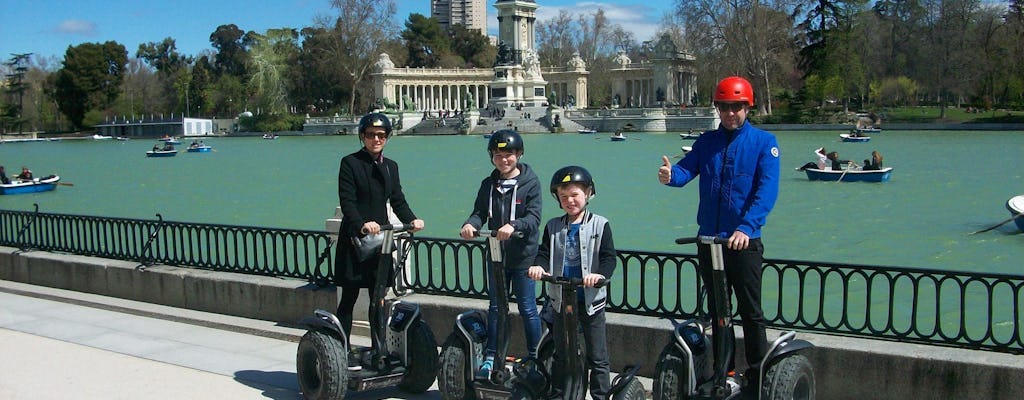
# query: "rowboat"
x,y
101,137
1016,206
586,131
689,135
161,153
30,186
170,140
849,175
868,130
269,136
618,137
202,148
849,138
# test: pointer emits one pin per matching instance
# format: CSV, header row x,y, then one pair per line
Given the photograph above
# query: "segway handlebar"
x,y
562,280
487,232
396,227
702,239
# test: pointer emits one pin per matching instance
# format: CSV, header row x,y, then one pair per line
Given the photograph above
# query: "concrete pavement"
x,y
59,344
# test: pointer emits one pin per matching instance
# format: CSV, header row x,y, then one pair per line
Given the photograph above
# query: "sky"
x,y
48,27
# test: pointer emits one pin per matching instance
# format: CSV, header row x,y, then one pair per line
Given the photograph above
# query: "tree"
x,y
268,64
15,88
90,79
950,68
425,41
555,39
232,50
358,32
471,46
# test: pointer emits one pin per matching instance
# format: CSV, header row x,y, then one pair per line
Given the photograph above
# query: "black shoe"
x,y
751,382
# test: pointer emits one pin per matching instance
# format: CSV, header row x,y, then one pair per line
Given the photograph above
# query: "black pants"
x,y
743,277
350,293
595,340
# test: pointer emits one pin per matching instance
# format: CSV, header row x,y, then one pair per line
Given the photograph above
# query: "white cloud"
x,y
76,27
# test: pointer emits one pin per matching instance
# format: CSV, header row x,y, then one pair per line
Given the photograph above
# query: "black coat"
x,y
364,188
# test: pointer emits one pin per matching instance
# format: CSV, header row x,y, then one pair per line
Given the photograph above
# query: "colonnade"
x,y
437,96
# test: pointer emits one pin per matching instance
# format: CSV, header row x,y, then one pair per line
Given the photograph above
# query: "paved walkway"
x,y
59,344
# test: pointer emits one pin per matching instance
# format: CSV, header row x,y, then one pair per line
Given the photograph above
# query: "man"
x,y
738,166
367,183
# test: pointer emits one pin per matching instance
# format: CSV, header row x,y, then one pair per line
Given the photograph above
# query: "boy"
x,y
579,244
508,201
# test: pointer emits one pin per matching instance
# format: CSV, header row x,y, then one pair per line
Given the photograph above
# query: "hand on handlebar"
x,y
505,232
467,232
536,272
591,280
370,228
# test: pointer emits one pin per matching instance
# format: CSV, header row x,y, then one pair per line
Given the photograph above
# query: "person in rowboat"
x,y
3,176
25,175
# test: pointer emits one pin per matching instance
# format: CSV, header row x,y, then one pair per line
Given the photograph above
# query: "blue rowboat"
x,y
848,138
849,175
30,186
200,149
161,153
1016,206
586,131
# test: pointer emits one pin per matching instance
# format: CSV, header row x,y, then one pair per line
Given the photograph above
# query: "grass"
x,y
952,115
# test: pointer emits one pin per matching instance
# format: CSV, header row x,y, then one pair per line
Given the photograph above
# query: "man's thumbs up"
x,y
665,171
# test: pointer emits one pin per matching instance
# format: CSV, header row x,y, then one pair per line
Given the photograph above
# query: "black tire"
x,y
422,368
634,390
671,382
321,364
792,378
451,373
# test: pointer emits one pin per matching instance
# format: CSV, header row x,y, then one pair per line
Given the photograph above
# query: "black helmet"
x,y
572,173
375,119
505,139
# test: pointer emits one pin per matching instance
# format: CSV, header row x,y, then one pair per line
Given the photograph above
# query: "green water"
x,y
944,186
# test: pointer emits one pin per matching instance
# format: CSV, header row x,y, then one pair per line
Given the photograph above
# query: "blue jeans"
x,y
525,291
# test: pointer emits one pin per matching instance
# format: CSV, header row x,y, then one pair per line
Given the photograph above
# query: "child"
x,y
579,244
509,201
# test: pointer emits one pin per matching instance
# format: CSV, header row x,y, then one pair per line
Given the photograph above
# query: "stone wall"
x,y
846,368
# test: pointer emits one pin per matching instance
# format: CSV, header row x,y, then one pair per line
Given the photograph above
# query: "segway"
x,y
540,382
402,352
693,365
462,353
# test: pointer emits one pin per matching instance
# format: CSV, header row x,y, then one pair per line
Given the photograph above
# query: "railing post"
x,y
313,277
24,246
146,258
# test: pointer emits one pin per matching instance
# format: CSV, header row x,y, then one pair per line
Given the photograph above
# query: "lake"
x,y
945,185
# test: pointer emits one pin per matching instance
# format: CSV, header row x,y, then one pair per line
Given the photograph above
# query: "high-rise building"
x,y
470,13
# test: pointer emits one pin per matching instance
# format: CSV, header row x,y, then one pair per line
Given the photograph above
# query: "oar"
x,y
999,224
843,174
65,183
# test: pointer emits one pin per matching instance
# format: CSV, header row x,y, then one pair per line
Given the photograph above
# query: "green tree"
x,y
472,47
90,79
232,50
268,65
425,41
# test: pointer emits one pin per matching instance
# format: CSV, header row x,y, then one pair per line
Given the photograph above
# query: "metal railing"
x,y
960,309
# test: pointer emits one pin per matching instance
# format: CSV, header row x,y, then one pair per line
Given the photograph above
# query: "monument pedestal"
x,y
514,85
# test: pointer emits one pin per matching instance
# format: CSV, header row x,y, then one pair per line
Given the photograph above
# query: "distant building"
x,y
469,13
153,127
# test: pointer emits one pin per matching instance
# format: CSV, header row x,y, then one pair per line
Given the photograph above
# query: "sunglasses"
x,y
381,136
729,107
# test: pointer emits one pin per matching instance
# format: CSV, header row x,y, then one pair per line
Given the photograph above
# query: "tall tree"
x,y
950,69
15,88
359,31
232,50
91,78
556,39
472,47
269,58
425,41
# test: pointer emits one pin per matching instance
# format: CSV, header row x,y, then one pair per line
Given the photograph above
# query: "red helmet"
x,y
735,89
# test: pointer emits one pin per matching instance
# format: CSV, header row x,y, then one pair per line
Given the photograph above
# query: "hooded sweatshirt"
x,y
516,201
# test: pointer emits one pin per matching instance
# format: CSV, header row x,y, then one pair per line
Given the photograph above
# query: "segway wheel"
x,y
420,373
634,390
322,366
792,378
452,377
671,382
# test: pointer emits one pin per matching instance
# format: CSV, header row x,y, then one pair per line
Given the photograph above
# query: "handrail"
x,y
959,309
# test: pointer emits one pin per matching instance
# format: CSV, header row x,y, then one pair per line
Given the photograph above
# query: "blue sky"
x,y
48,27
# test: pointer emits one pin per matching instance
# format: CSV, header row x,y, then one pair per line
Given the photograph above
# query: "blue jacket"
x,y
739,179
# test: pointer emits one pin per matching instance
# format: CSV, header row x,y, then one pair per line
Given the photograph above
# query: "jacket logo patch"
x,y
775,152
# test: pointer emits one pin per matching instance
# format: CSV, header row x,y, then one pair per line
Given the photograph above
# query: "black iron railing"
x,y
968,310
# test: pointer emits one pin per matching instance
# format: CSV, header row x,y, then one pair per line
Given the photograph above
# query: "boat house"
x,y
153,126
